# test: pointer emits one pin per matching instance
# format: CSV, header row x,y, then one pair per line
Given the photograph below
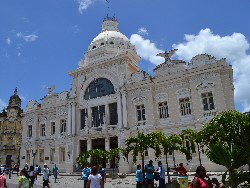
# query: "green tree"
x,y
138,145
194,139
167,144
114,154
226,138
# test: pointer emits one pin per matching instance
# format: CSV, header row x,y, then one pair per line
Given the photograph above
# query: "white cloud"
x,y
2,104
84,4
142,31
27,38
146,49
233,47
8,41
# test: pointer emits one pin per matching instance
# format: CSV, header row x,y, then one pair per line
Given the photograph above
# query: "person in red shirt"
x,y
2,180
181,170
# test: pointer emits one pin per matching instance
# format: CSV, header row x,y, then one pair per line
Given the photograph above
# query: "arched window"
x,y
98,88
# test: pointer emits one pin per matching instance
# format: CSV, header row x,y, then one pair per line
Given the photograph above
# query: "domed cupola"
x,y
15,100
108,44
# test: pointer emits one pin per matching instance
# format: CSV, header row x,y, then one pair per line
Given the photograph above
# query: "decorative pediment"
x,y
63,96
138,76
201,60
32,105
139,100
204,85
182,93
160,97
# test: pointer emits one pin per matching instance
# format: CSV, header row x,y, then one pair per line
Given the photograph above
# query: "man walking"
x,y
55,172
161,171
85,174
46,176
149,168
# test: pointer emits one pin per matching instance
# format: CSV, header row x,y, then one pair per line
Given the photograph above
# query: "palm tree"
x,y
193,138
138,145
167,144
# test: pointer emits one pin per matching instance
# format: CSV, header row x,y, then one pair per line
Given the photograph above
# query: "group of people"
x,y
93,177
201,180
29,174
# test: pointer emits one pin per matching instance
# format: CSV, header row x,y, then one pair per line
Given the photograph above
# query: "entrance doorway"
x,y
99,143
114,144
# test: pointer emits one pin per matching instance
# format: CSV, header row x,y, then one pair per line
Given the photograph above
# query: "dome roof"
x,y
105,35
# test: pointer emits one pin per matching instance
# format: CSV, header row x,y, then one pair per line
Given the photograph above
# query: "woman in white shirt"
x,y
95,180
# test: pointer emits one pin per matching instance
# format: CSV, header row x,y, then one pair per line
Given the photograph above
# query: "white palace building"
x,y
111,98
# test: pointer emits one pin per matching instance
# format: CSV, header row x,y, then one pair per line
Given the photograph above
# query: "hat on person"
x,y
150,161
45,164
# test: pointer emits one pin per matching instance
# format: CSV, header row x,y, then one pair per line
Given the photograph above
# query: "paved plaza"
x,y
67,181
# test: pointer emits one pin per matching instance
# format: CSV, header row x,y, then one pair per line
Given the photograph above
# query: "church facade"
x,y
11,131
111,98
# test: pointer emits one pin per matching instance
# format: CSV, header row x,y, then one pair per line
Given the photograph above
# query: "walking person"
x,y
39,170
55,172
139,177
95,179
161,171
36,171
3,183
201,180
46,176
102,172
85,174
149,168
23,179
32,176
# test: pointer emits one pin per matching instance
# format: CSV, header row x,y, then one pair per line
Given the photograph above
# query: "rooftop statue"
x,y
167,55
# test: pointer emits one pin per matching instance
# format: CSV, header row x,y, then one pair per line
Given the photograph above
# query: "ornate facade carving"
x,y
138,76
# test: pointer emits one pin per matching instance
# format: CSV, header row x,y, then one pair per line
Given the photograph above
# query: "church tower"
x,y
10,130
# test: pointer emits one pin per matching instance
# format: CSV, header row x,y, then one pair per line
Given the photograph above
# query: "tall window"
x,y
62,155
185,106
41,155
208,101
52,155
84,117
163,110
113,116
28,156
98,113
29,130
63,126
141,112
53,128
42,129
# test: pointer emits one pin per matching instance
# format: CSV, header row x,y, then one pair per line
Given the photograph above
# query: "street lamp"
x,y
34,155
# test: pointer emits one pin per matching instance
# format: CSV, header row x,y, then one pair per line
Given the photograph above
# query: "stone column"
x,y
73,118
106,116
119,110
89,146
107,148
89,122
124,109
69,119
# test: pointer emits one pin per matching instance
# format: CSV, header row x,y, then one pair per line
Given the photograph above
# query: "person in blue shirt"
x,y
55,172
139,177
85,174
149,168
161,171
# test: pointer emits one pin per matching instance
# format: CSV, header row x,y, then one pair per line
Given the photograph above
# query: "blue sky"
x,y
40,41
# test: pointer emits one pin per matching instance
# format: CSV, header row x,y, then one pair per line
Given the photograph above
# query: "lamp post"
x,y
34,155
